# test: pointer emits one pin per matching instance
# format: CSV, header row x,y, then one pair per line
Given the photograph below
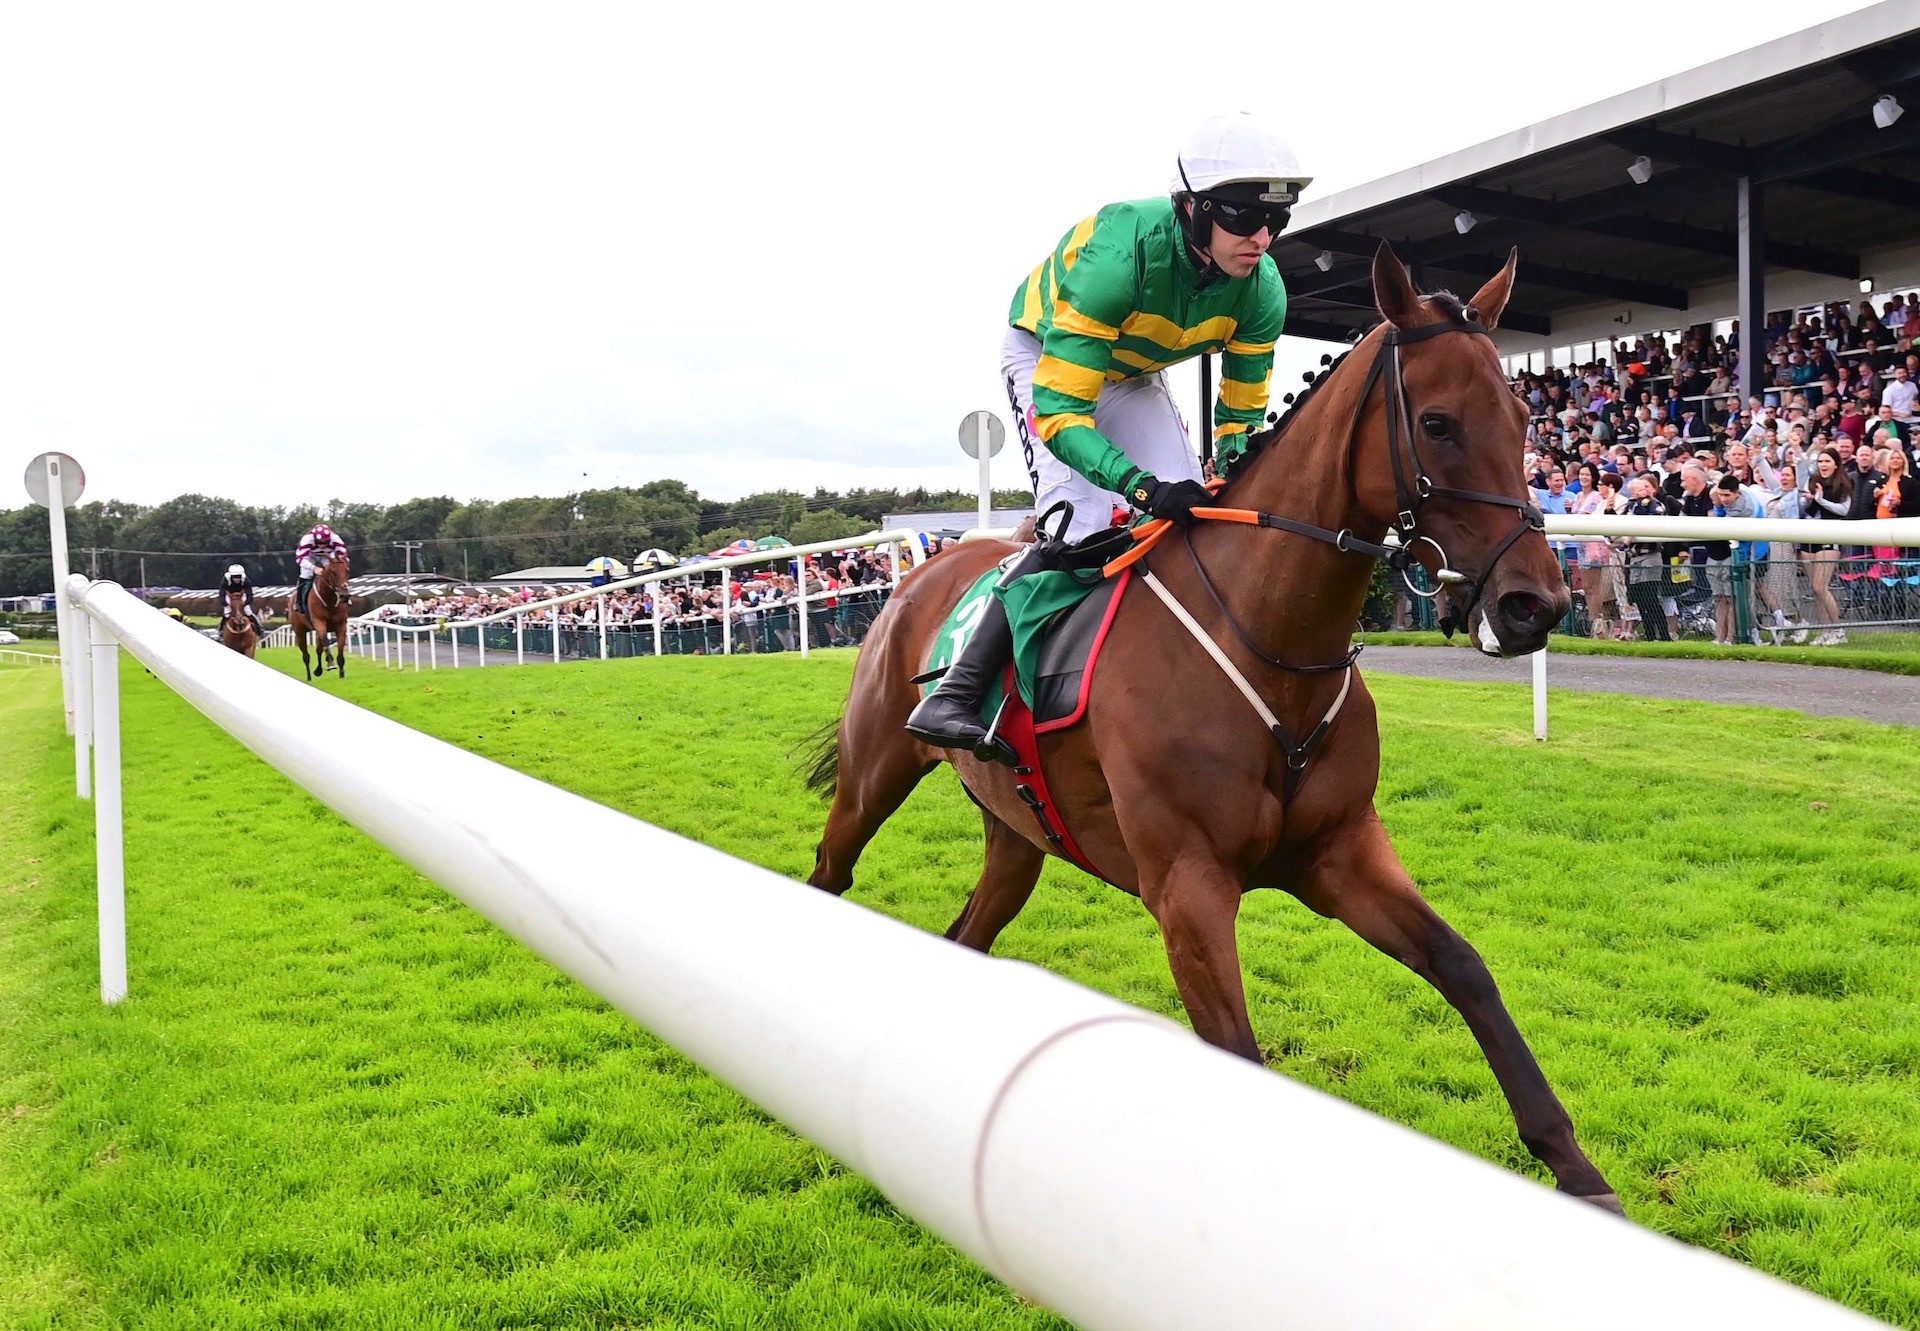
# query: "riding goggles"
x,y
1245,219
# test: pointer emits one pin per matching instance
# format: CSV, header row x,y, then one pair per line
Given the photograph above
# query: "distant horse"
x,y
236,630
1187,786
325,616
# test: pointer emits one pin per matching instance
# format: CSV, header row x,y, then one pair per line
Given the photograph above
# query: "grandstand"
x,y
1776,179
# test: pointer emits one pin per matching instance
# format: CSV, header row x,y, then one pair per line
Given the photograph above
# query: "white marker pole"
x,y
1540,694
70,631
983,446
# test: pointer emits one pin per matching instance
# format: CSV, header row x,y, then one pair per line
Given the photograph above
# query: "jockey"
x,y
318,548
1129,291
236,581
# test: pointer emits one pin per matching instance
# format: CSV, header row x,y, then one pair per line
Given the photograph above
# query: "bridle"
x,y
1413,489
1412,495
320,591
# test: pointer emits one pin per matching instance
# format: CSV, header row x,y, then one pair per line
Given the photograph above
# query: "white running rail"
x,y
1097,1158
389,643
1806,531
29,658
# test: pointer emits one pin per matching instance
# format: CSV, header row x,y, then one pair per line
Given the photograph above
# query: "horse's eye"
x,y
1435,426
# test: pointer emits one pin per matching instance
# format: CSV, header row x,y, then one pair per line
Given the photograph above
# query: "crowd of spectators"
x,y
1655,431
844,592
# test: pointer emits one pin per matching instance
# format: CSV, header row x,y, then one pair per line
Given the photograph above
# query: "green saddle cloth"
x,y
1033,604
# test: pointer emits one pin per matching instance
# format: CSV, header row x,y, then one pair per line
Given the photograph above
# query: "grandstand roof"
x,y
1795,115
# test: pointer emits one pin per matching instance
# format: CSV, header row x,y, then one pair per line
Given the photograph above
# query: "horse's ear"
x,y
1492,298
1393,289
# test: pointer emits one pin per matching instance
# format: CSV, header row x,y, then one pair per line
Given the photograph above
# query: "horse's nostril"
x,y
1525,611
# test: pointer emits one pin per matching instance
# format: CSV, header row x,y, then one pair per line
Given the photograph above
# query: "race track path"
x,y
1865,695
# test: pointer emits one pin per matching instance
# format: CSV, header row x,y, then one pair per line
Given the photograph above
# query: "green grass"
x,y
1891,652
338,1098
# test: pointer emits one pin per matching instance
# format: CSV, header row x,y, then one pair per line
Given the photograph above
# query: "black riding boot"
x,y
949,717
300,594
259,629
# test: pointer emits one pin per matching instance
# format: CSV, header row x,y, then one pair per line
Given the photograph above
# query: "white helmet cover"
x,y
235,571
1236,149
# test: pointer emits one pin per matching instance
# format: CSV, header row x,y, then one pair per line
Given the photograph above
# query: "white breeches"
x,y
1136,415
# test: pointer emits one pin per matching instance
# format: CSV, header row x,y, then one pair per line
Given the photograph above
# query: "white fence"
x,y
1812,531
1097,1158
398,644
29,658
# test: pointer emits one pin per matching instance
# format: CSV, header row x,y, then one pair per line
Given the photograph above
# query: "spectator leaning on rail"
x,y
1828,494
1729,501
1127,292
318,548
1646,560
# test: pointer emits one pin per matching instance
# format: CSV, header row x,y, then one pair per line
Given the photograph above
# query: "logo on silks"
x,y
1033,422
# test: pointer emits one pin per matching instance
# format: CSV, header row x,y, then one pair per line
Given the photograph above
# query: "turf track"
x,y
337,1098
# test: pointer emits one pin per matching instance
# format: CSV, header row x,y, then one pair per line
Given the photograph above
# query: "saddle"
x,y
1065,655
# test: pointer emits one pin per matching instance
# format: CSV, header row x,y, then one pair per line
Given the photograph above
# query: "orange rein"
x,y
1149,534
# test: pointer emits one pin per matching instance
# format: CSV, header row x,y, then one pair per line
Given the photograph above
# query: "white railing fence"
x,y
29,658
1097,1158
399,645
1903,532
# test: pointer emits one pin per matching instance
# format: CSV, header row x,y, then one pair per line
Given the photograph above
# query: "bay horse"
x,y
236,630
324,616
1286,800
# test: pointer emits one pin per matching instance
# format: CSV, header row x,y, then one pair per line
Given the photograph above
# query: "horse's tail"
x,y
822,750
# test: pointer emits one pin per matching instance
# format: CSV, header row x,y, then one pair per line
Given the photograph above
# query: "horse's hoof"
x,y
1606,1201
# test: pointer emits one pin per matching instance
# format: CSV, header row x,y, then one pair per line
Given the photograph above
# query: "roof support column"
x,y
1751,297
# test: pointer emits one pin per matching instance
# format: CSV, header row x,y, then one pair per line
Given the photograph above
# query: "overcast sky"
x,y
378,251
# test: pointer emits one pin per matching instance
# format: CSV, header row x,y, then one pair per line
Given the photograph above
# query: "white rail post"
x,y
433,649
520,639
553,618
801,583
453,636
726,612
479,644
1540,694
656,617
600,615
109,847
416,651
72,634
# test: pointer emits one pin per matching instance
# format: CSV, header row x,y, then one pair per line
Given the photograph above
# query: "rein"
x,y
332,603
1409,498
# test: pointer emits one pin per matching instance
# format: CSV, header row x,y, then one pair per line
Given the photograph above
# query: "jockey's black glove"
x,y
1174,500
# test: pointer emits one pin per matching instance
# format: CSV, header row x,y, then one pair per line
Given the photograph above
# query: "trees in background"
x,y
189,540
